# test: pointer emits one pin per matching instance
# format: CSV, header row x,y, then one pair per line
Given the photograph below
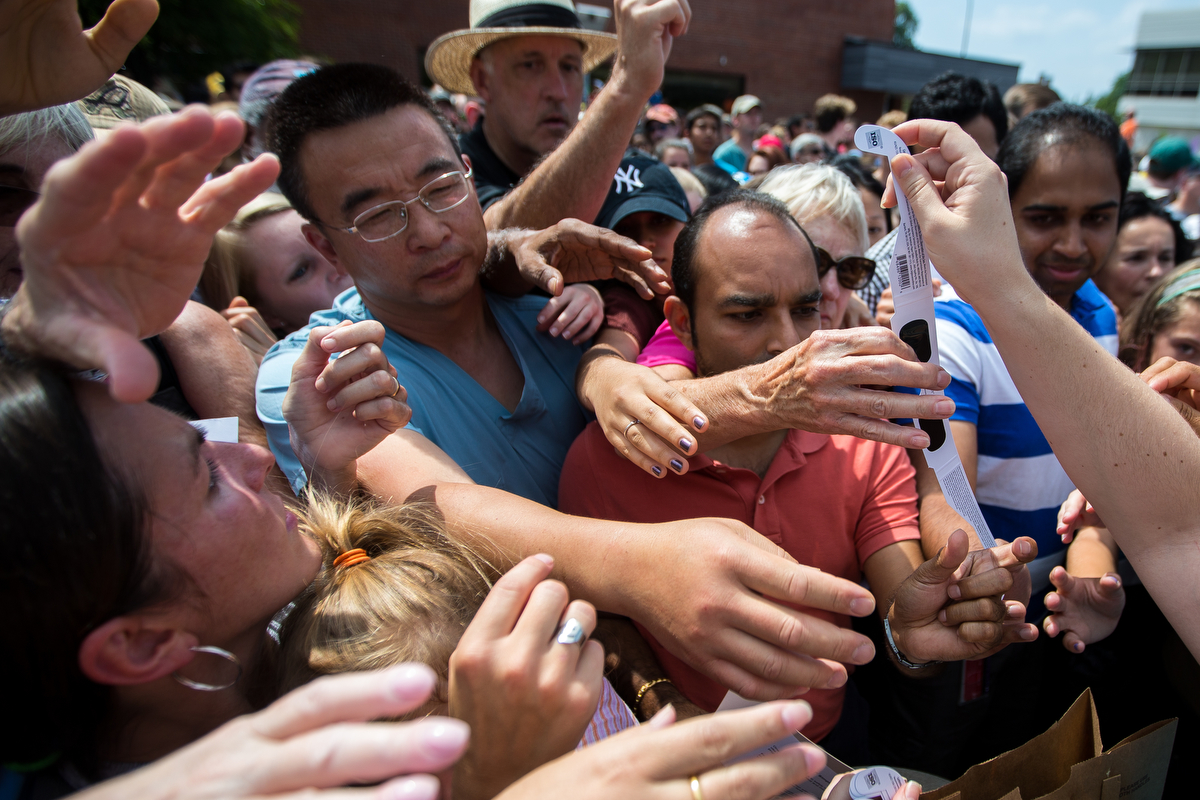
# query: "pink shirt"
x,y
612,716
664,348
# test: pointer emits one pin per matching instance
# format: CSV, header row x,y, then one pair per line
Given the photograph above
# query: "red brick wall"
x,y
790,51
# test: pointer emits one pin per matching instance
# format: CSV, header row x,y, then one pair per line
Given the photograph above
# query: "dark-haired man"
x,y
747,290
702,127
975,105
527,61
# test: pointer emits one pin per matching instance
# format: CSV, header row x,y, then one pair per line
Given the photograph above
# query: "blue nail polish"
x,y
685,444
698,423
676,465
657,470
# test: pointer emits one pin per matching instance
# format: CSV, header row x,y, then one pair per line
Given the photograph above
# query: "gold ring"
x,y
696,793
397,380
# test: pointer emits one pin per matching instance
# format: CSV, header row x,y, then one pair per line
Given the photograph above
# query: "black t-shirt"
x,y
493,178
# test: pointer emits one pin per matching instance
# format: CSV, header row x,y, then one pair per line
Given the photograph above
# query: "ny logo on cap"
x,y
631,178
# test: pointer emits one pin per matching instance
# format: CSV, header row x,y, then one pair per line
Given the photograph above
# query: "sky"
x,y
1082,45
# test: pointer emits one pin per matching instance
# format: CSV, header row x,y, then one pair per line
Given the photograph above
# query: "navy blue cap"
x,y
642,184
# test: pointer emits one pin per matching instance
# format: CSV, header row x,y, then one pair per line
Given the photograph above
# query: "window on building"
x,y
1166,73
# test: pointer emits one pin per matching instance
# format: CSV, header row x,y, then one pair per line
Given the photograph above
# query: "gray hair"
x,y
66,122
812,191
667,144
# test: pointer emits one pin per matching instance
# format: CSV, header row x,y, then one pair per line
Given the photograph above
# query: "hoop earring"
x,y
211,687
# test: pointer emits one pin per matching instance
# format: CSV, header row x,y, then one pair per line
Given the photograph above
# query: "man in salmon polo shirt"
x,y
747,289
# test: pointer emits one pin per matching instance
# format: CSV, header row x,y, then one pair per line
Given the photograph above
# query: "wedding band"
x,y
571,632
696,793
630,425
397,380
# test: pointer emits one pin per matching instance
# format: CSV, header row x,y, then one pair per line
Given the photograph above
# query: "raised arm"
x,y
1124,447
573,180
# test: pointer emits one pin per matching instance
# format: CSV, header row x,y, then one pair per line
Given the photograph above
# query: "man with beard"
x,y
527,60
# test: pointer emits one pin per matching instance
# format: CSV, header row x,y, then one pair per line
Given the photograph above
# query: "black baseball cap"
x,y
642,184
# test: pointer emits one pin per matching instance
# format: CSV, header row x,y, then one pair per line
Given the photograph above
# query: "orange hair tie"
x,y
351,558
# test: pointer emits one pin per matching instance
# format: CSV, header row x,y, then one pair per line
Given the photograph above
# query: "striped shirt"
x,y
612,716
1020,483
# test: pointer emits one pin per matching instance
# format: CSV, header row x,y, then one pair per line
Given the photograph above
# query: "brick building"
x,y
788,52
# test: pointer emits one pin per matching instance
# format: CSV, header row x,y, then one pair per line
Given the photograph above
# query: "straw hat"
x,y
448,60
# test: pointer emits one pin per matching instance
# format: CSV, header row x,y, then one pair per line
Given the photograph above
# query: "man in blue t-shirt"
x,y
735,151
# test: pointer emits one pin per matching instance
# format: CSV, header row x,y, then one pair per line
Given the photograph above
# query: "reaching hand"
x,y
527,697
938,617
658,760
576,314
573,252
250,328
646,29
48,59
338,410
1084,610
1075,513
309,743
116,243
1179,383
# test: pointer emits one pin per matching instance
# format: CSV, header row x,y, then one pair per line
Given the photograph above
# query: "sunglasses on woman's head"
x,y
854,272
14,201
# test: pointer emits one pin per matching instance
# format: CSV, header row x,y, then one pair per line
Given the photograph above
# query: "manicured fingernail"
x,y
664,717
657,470
548,560
944,407
685,444
1077,647
446,737
814,760
411,679
414,787
699,422
796,715
863,653
677,465
954,592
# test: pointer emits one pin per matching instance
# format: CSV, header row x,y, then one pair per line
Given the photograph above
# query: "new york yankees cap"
x,y
642,184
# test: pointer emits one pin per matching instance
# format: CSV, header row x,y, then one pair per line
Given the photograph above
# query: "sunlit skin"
x,y
24,166
291,277
1181,340
434,262
654,231
1066,216
677,157
983,131
1145,251
532,86
839,242
876,219
705,135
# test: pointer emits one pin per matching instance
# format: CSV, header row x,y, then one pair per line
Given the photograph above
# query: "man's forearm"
x,y
573,180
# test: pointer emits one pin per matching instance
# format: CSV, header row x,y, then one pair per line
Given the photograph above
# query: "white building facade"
x,y
1164,86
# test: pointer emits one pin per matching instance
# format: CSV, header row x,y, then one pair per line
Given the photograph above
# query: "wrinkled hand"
x,y
1075,513
250,328
957,194
620,392
939,616
116,243
818,386
646,29
48,59
339,410
576,314
1179,383
1084,610
527,698
722,619
573,252
656,761
312,741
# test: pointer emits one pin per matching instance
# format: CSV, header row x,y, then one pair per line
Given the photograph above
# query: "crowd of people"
x,y
555,428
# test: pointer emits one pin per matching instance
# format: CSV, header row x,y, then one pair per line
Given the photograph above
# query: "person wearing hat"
x,y
662,122
736,151
1170,159
259,93
120,100
527,61
703,129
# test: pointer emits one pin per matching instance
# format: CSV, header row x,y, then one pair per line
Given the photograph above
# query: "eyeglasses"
x,y
390,219
854,272
15,201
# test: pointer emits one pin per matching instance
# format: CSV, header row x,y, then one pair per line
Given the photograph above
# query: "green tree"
x,y
193,38
1108,102
906,26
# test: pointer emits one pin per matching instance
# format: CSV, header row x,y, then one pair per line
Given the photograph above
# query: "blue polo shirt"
x,y
1020,484
521,452
729,153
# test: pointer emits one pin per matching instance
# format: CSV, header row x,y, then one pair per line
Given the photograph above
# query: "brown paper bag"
x,y
1068,762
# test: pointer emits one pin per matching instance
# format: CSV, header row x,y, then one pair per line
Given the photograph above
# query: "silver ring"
x,y
625,433
571,632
